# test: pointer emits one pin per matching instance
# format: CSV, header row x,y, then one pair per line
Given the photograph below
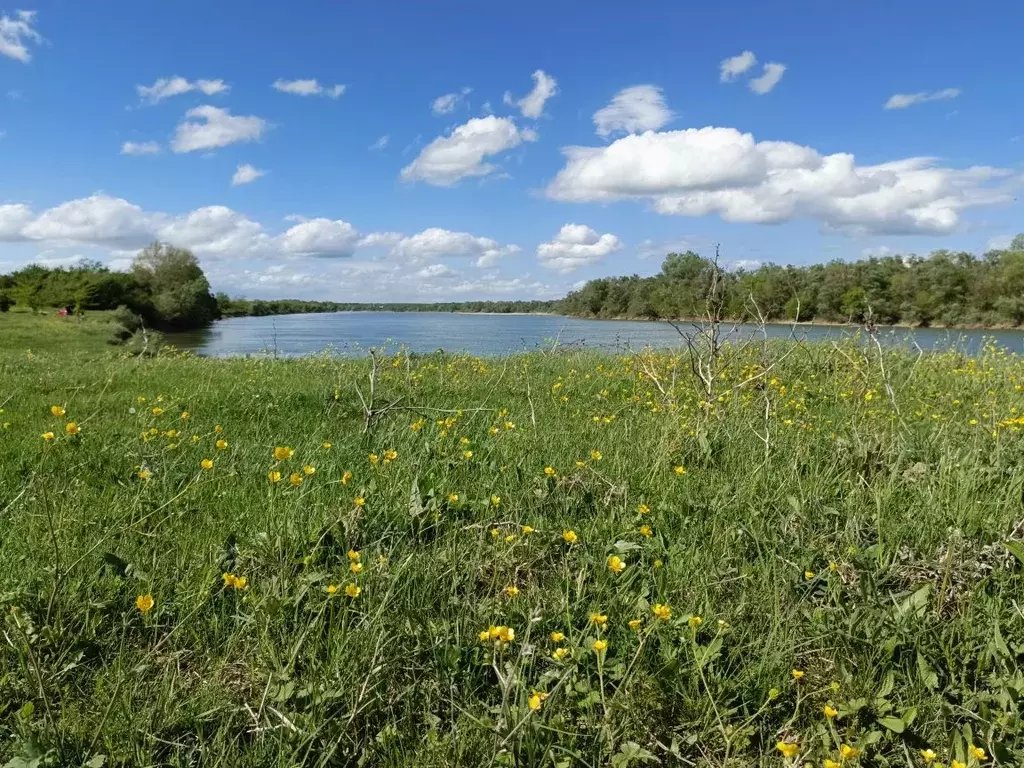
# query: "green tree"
x,y
180,291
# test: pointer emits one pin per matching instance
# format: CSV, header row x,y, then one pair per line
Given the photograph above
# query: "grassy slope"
x,y
861,548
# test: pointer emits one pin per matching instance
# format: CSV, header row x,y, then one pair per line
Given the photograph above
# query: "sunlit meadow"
x,y
563,559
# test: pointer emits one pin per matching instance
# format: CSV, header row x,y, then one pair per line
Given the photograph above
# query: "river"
x,y
352,333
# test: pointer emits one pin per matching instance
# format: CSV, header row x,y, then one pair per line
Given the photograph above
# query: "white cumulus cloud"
x,y
532,104
575,246
17,33
320,237
724,172
462,153
245,174
166,87
209,127
771,75
634,109
140,148
434,243
310,87
904,100
735,66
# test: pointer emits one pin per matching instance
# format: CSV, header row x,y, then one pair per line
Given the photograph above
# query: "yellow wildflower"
x,y
645,530
274,476
643,509
680,470
695,621
495,501
557,637
848,753
527,530
145,474
467,454
550,472
559,653
599,619
47,436
206,463
808,575
596,455
295,479
928,755
221,445
569,536
534,702
374,459
662,611
353,590
979,753
829,763
72,428
635,623
511,590
283,453
599,646
957,764
325,445
453,498
615,564
309,469
157,411
332,589
355,567
353,555
788,749
797,674
485,634
143,602
345,478
830,711
57,410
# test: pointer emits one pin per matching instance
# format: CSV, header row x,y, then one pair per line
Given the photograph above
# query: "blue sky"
x,y
528,147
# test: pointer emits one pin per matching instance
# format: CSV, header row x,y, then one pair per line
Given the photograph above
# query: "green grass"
x,y
865,542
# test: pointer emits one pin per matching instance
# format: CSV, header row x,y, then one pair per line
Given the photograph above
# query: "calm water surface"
x,y
352,333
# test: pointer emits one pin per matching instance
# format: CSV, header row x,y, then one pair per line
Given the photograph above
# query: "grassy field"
x,y
544,560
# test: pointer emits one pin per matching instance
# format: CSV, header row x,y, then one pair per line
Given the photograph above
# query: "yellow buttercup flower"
x,y
332,589
274,476
222,445
957,764
495,500
616,564
559,653
355,567
557,637
635,623
695,621
57,410
157,410
830,711
346,478
527,530
979,753
550,472
569,537
788,749
295,478
145,474
663,612
484,635
144,603
390,454
928,755
599,619
453,498
206,463
309,469
353,590
374,459
511,590
359,501
596,455
467,454
283,453
600,646
353,555
534,702
72,428
680,470
645,530
848,753
798,674
831,764
325,445
643,509
47,436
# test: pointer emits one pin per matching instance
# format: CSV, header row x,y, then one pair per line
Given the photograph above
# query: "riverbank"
x,y
573,557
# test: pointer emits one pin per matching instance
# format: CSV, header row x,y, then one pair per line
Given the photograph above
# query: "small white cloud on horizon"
x,y
735,66
904,100
140,148
575,246
246,174
772,74
310,87
447,103
166,87
634,109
